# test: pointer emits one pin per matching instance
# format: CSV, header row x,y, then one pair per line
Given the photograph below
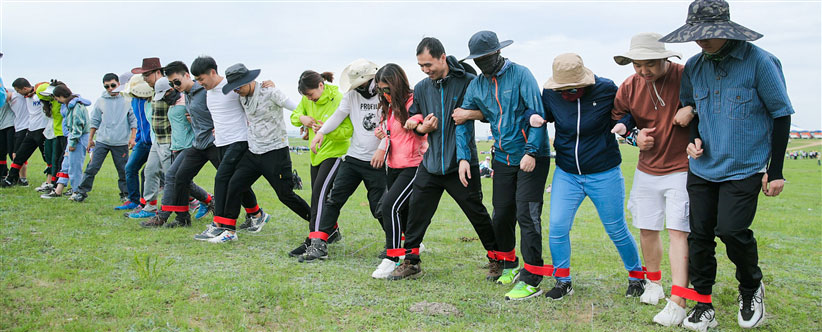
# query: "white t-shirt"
x,y
365,116
21,112
37,119
230,124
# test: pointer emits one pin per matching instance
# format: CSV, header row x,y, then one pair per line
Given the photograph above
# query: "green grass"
x,y
83,267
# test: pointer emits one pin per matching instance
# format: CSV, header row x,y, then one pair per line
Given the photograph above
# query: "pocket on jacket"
x,y
739,103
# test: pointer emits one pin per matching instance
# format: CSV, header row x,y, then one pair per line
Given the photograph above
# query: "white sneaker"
x,y
384,269
701,318
226,235
653,293
422,247
671,315
754,310
45,187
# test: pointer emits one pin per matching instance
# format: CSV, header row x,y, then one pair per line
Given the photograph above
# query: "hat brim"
x,y
247,78
160,94
630,56
502,44
140,70
347,85
587,80
709,30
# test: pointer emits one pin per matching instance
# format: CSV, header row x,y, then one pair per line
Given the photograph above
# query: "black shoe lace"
x,y
695,316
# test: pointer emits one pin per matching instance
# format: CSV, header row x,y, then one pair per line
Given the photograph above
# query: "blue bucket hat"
x,y
238,75
484,43
709,19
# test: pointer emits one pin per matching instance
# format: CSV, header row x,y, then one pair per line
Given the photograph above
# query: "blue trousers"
x,y
138,157
607,191
72,165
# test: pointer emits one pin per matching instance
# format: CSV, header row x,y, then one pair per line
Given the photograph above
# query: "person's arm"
x,y
299,112
529,93
464,136
621,113
469,110
342,112
779,143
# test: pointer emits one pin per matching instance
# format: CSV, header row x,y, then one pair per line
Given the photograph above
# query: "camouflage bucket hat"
x,y
709,19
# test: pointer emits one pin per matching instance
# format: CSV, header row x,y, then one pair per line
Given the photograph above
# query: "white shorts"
x,y
657,200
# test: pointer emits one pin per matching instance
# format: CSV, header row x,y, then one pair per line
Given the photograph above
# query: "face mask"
x,y
572,94
171,97
490,65
366,90
387,97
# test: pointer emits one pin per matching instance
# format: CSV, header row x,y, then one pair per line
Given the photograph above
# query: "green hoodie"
x,y
57,118
335,144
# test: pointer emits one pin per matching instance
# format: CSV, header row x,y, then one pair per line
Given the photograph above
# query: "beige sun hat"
x,y
357,73
645,46
137,87
569,72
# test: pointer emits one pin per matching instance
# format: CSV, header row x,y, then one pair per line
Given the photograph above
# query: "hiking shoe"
x,y
78,197
23,182
51,194
204,209
300,250
128,205
153,222
142,214
560,290
509,276
182,220
225,235
384,269
671,315
522,291
317,250
246,224
406,270
701,318
751,307
68,192
45,187
652,294
335,236
494,270
210,232
258,223
636,288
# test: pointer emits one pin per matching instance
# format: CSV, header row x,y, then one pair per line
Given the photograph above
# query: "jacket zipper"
x,y
576,148
442,135
499,123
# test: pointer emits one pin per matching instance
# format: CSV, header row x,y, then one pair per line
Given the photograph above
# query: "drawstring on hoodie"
x,y
656,94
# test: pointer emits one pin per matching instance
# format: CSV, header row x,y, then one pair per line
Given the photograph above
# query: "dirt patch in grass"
x,y
434,309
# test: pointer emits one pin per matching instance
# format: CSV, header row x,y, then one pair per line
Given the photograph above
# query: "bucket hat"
x,y
709,19
484,43
645,46
237,76
357,73
569,72
149,64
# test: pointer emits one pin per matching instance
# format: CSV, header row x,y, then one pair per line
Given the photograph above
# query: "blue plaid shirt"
x,y
737,100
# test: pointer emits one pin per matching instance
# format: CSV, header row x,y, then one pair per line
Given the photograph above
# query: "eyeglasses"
x,y
110,86
176,82
385,90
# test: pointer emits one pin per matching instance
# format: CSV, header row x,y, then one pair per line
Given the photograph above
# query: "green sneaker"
x,y
522,291
509,276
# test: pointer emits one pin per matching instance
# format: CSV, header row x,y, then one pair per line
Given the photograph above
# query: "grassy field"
x,y
83,267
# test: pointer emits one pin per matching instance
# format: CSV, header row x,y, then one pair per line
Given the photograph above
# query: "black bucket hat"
x,y
484,43
709,19
237,76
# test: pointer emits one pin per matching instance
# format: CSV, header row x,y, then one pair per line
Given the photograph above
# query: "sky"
x,y
79,41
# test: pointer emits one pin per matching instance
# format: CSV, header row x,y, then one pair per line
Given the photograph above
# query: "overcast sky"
x,y
78,42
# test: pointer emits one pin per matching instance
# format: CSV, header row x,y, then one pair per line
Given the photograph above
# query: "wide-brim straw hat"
x,y
645,46
137,87
569,72
357,73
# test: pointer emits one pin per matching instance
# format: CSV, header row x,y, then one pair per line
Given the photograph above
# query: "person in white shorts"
x,y
650,116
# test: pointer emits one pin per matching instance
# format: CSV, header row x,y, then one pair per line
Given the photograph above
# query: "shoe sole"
x,y
564,296
203,239
321,258
761,318
712,324
538,293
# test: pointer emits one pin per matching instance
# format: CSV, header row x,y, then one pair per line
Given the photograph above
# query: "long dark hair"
x,y
311,80
62,91
393,75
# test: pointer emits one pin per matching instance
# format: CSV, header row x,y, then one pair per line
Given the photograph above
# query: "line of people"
x,y
707,132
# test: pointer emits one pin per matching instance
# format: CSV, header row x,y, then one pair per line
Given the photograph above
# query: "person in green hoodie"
x,y
55,144
318,103
75,116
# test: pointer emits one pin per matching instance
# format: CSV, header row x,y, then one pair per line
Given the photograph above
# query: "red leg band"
x,y
175,208
690,294
546,270
62,175
253,210
225,221
508,256
415,251
2,162
561,273
154,202
654,276
636,274
142,201
208,199
492,255
17,166
318,235
53,178
395,252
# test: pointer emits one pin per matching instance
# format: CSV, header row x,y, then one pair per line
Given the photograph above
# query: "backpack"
x,y
298,182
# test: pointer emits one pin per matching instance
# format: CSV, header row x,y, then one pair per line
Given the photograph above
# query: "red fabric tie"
x,y
508,256
253,210
175,208
318,235
545,270
690,294
561,273
225,221
395,252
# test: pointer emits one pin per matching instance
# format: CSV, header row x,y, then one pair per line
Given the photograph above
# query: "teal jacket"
x,y
76,120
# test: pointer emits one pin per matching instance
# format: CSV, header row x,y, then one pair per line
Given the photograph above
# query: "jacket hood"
x,y
328,93
454,67
80,100
109,96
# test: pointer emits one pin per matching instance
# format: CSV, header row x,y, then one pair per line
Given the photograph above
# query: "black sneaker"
x,y
23,182
246,224
751,307
182,220
318,250
6,183
211,231
299,251
635,288
335,236
701,317
560,290
78,197
50,194
68,192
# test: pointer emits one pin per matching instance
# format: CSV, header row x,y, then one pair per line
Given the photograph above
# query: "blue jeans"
x,y
138,157
73,164
607,192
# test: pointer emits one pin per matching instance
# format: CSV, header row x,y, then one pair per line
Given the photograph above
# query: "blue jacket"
x,y
138,106
504,101
584,143
441,97
2,93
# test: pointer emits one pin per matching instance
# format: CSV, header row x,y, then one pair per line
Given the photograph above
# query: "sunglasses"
x,y
110,86
385,90
176,82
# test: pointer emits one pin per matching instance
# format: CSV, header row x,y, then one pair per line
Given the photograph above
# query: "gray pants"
x,y
119,155
168,191
159,161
